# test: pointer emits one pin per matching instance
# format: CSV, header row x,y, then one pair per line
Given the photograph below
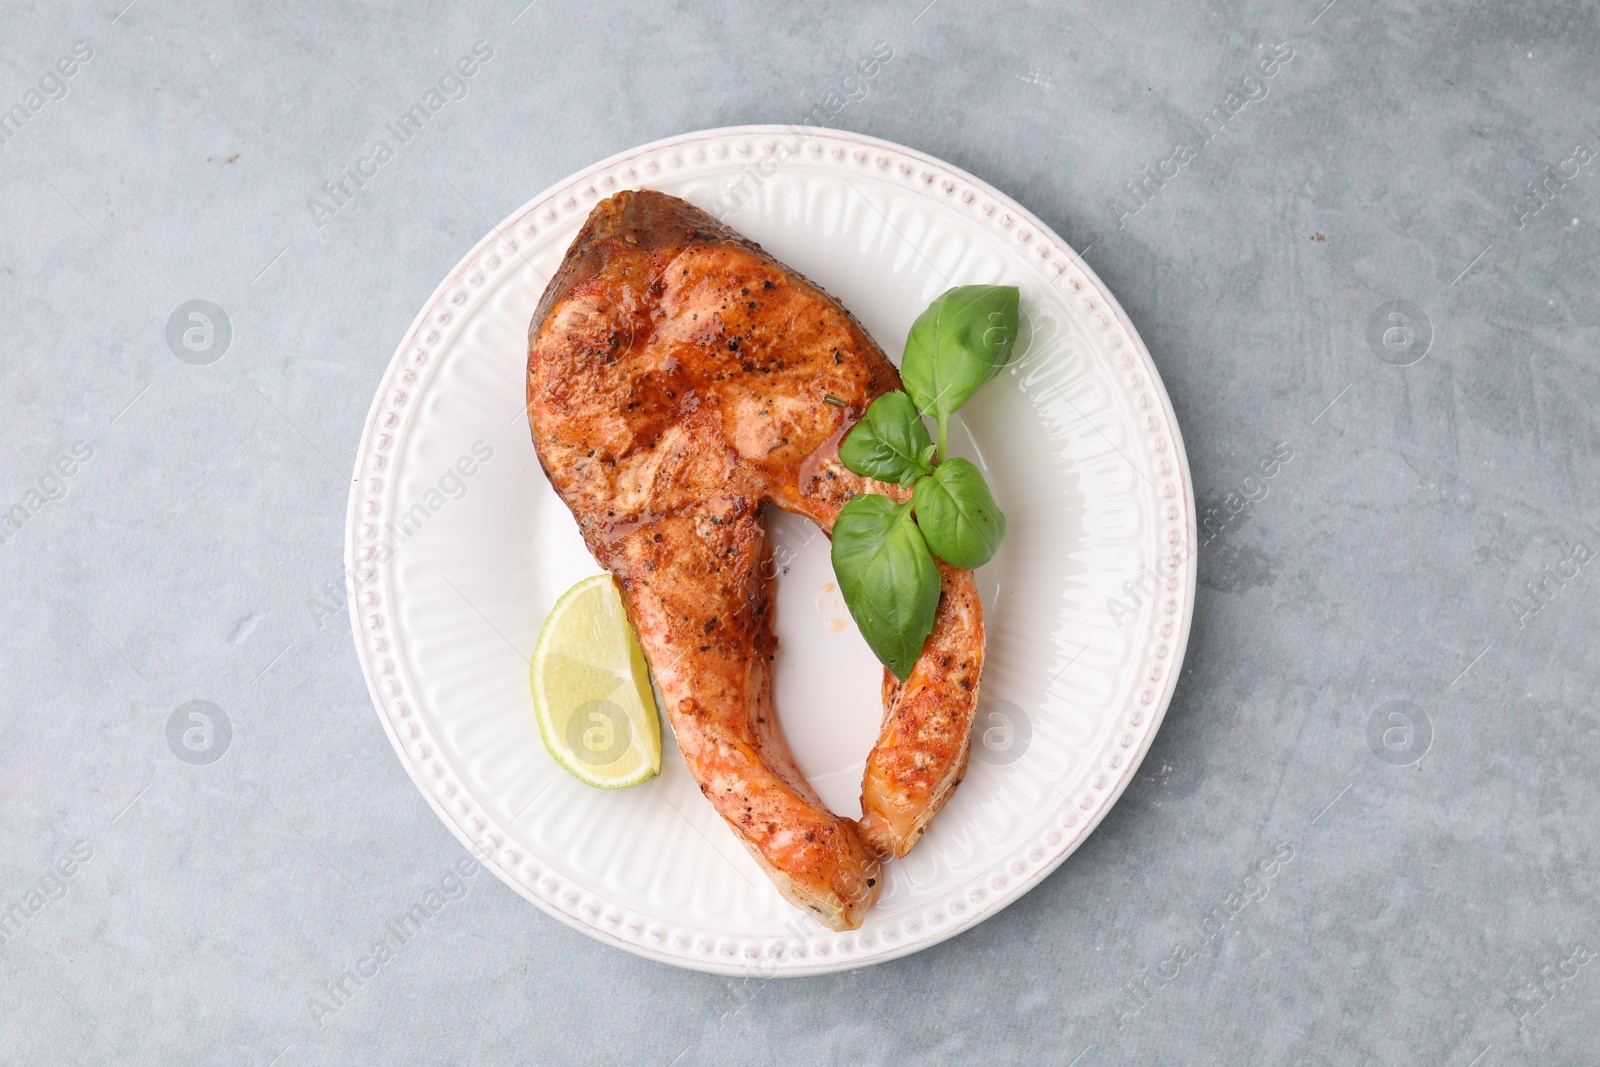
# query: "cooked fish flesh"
x,y
679,380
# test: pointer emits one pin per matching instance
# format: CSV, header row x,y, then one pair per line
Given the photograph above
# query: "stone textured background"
x,y
1429,892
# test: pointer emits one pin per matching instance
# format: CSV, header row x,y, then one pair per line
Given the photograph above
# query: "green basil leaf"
x,y
960,342
889,443
958,515
889,581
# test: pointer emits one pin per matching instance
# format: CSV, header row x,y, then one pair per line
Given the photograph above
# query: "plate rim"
x,y
883,952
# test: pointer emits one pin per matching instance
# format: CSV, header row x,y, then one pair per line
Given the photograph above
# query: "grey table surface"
x,y
1357,235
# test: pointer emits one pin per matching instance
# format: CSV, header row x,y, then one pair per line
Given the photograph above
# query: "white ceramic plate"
x,y
1087,604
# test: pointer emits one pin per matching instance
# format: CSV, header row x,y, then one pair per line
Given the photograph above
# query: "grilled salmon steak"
x,y
679,380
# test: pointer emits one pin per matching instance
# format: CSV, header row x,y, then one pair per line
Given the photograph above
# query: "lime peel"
x,y
591,689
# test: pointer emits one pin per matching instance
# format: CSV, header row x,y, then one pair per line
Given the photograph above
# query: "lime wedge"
x,y
591,689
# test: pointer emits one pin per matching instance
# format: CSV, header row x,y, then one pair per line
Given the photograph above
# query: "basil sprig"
x,y
883,552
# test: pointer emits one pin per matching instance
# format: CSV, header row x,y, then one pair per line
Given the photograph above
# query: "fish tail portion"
x,y
896,822
921,755
839,901
817,859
